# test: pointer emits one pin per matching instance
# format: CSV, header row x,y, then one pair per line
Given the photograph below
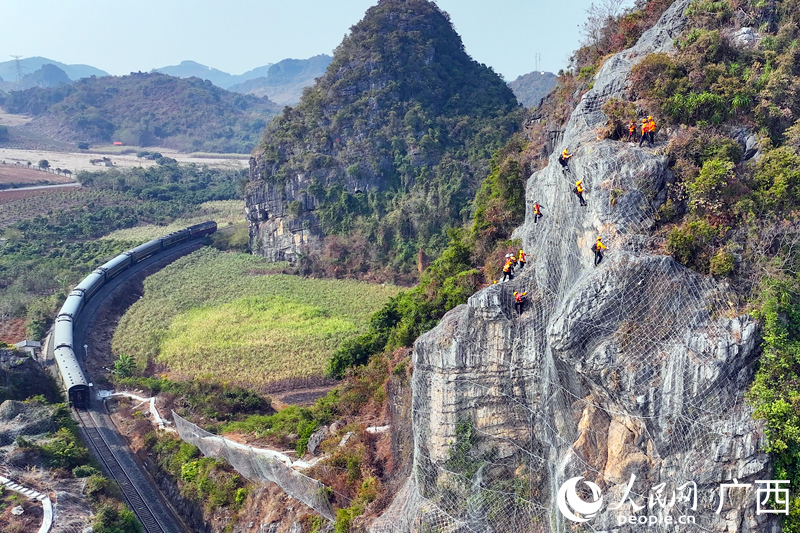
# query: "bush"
x,y
85,471
721,264
688,243
711,188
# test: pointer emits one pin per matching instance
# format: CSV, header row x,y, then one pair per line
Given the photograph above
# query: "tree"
x,y
125,366
44,164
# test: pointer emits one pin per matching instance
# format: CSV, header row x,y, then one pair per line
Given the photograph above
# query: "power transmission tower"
x,y
18,66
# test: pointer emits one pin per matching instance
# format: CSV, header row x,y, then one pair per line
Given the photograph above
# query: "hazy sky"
x,y
238,35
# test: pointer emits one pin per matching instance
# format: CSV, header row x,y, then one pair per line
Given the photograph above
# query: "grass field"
x,y
224,212
211,315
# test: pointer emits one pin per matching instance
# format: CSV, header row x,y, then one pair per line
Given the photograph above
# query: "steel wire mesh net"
x,y
258,466
639,346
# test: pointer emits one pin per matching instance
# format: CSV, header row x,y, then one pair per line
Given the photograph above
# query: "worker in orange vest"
x,y
598,251
645,129
578,190
521,260
507,268
564,160
632,131
651,130
519,301
537,212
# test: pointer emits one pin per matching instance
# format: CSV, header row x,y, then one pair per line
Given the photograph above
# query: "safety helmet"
x,y
565,150
649,118
515,293
644,120
598,238
520,250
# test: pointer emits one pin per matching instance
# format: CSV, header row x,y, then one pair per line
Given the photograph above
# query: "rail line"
x,y
136,501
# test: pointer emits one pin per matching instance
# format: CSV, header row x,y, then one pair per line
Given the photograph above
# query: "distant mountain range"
x,y
282,82
187,69
144,109
29,65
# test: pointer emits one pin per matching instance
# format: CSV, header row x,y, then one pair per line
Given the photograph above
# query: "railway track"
x,y
136,501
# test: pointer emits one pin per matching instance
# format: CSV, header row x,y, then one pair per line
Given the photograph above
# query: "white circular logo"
x,y
568,498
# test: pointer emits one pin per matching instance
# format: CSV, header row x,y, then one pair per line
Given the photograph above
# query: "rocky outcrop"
x,y
629,374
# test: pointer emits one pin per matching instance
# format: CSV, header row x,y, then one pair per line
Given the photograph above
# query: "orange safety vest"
x,y
536,208
645,127
522,256
508,266
519,298
632,127
651,126
579,186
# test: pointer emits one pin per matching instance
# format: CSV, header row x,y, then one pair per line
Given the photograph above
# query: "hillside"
x,y
386,151
532,87
284,82
146,110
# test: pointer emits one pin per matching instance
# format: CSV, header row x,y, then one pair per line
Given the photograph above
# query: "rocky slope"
x,y
630,374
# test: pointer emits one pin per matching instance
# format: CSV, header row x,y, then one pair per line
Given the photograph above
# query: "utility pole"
x,y
18,66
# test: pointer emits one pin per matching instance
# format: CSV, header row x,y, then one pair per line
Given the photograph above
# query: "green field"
x,y
217,315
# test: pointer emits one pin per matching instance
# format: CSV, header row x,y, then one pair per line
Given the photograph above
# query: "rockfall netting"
x,y
259,466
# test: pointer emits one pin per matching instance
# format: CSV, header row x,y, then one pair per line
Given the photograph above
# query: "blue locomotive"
x,y
69,368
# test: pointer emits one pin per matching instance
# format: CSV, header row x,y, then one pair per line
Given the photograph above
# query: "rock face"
x,y
629,375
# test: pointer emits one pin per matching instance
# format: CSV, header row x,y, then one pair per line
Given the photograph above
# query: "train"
x,y
69,369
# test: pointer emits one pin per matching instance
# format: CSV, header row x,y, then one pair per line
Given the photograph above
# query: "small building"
x,y
29,346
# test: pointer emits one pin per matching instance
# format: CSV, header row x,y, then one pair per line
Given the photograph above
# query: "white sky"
x,y
237,35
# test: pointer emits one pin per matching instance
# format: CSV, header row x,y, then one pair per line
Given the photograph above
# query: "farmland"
x,y
212,315
51,238
224,212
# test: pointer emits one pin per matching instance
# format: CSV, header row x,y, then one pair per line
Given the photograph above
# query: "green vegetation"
x,y
214,314
411,128
149,110
210,482
210,400
50,241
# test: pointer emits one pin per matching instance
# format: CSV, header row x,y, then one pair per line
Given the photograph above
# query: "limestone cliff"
x,y
392,142
636,367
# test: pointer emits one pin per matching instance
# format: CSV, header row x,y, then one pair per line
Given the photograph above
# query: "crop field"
x,y
16,176
208,316
224,212
20,205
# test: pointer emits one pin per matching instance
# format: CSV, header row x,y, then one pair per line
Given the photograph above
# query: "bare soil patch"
x,y
10,173
12,331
